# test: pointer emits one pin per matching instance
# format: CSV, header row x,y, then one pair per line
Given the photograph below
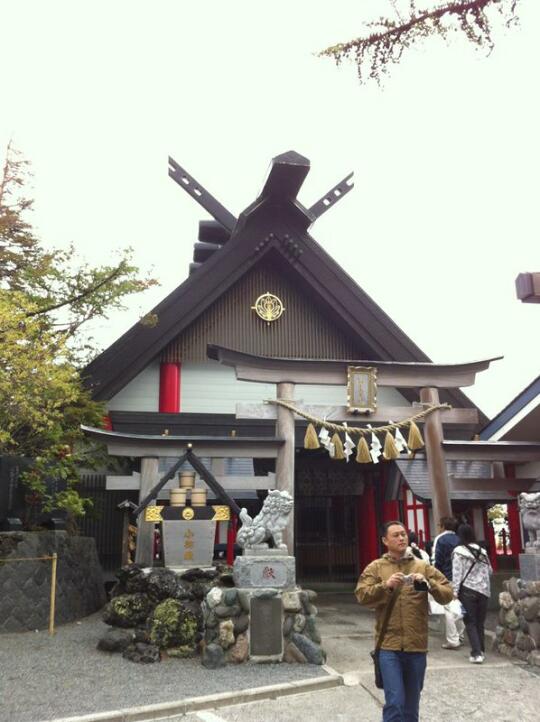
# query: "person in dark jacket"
x,y
443,546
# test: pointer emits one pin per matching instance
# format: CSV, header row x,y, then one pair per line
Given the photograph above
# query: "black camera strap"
x,y
386,618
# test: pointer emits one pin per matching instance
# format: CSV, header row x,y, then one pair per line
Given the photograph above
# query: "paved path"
x,y
66,677
455,690
494,694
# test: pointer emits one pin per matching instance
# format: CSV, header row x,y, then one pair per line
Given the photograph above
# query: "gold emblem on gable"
x,y
268,307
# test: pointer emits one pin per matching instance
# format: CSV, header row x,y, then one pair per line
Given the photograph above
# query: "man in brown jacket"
x,y
404,647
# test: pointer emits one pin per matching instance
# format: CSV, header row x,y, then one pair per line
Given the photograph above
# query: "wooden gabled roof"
x,y
275,224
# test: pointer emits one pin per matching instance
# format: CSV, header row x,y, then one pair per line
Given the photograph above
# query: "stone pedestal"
x,y
267,625
265,571
271,619
529,566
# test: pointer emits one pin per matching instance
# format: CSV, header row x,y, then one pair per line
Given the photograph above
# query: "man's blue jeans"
x,y
403,679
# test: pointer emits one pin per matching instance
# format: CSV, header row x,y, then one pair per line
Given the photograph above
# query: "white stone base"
x,y
265,572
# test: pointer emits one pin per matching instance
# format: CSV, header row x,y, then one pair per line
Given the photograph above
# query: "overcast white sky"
x,y
444,213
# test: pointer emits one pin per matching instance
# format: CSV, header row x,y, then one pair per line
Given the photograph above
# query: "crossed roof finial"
x,y
287,173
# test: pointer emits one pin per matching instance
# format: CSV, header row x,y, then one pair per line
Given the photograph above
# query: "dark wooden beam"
x,y
212,482
404,374
332,197
152,494
201,195
287,173
150,445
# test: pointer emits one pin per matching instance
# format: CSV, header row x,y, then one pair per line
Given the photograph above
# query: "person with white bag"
x,y
415,549
443,546
471,571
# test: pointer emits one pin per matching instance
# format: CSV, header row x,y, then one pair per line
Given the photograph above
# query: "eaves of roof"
x,y
529,393
416,474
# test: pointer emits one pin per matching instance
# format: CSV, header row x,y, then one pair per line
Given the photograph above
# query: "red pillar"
x,y
514,521
169,388
514,527
490,539
231,538
391,511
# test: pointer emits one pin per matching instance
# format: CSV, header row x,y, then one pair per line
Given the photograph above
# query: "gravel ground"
x,y
43,678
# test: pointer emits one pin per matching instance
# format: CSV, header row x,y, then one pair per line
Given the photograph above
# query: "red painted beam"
x,y
490,539
169,388
514,521
231,538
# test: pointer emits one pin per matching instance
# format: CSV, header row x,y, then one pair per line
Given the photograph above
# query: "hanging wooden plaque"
x,y
361,389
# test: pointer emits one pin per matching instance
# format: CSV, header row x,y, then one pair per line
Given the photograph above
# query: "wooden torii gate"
x,y
287,373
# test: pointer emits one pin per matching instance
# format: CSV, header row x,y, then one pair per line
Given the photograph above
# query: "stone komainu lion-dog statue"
x,y
270,521
529,507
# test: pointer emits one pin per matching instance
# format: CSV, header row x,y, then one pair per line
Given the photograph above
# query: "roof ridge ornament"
x,y
201,195
287,173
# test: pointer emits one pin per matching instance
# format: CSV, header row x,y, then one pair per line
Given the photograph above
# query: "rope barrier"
x,y
25,559
358,430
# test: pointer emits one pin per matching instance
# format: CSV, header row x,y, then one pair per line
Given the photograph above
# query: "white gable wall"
x,y
141,393
210,387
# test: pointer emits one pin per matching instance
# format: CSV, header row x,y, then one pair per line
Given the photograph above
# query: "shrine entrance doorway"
x,y
327,539
327,500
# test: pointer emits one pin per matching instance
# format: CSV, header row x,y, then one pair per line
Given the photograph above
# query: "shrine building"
x,y
261,288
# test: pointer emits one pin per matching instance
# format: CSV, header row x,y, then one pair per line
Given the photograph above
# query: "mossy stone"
x,y
172,625
127,610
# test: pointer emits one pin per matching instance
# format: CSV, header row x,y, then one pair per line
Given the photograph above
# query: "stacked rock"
x,y
518,632
158,612
226,619
302,640
226,615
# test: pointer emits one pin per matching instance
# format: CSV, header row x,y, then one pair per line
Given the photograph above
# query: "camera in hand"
x,y
409,580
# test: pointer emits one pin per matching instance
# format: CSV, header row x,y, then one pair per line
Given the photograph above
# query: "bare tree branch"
x,y
75,299
377,50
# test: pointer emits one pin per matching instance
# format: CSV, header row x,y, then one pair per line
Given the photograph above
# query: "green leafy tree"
x,y
45,301
385,40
